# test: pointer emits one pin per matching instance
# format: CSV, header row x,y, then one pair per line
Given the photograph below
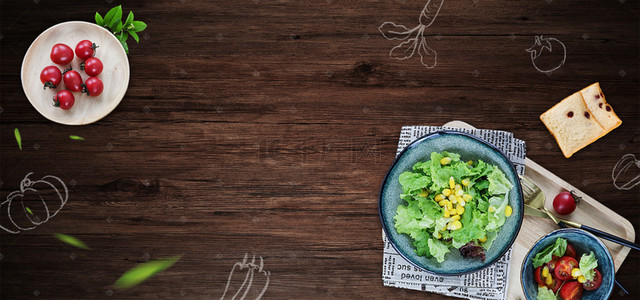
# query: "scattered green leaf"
x,y
144,271
129,19
28,210
110,14
117,17
99,19
138,26
75,137
16,132
71,241
135,36
113,22
125,46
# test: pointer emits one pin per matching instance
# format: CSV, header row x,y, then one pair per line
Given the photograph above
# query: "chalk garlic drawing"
x,y
627,164
37,190
251,268
406,49
542,45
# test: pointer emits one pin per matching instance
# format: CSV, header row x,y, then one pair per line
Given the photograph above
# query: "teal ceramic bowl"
x,y
470,148
583,242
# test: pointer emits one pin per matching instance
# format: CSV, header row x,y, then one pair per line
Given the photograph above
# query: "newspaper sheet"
x,y
490,283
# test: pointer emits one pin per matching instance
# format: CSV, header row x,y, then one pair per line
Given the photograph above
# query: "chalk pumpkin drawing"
x,y
37,188
543,48
627,164
417,42
251,269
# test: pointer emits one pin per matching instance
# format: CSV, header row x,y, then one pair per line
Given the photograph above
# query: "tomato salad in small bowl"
x,y
568,264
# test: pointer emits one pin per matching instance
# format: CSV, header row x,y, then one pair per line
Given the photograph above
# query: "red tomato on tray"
x,y
92,66
85,49
64,99
61,54
564,267
50,77
93,86
72,80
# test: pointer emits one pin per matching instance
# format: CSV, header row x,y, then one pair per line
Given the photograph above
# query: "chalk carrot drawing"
x,y
406,49
47,189
246,286
541,48
626,172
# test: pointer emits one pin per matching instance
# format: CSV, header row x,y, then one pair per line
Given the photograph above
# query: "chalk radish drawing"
x,y
246,286
543,46
27,187
406,49
628,163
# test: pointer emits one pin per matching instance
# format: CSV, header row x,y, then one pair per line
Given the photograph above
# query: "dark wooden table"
x,y
266,127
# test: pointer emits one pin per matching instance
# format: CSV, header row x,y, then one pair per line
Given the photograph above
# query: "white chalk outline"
x,y
615,176
25,185
419,42
537,43
251,268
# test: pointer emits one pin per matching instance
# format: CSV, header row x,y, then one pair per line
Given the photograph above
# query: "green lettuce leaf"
x,y
498,183
473,224
545,256
588,263
413,182
421,242
438,249
545,294
497,218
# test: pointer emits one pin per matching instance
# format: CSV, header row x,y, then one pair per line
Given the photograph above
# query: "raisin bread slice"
x,y
601,110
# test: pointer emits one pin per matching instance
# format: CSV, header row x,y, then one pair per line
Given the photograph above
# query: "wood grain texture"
x,y
266,127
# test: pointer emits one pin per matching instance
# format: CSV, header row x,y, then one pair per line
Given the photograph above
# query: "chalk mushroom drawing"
x,y
543,54
245,288
47,190
626,173
406,49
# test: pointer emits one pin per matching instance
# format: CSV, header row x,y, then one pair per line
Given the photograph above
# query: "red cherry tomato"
x,y
93,86
552,264
72,80
64,99
564,267
50,77
85,49
92,66
538,276
557,283
61,54
571,251
564,203
571,290
591,285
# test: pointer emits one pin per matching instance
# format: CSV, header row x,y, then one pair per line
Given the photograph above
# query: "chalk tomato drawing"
x,y
47,190
245,287
545,56
626,173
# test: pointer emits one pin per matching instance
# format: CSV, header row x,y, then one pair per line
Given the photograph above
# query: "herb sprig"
x,y
113,21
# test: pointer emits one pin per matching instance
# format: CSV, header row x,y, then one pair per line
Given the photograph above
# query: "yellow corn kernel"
x,y
439,197
453,212
454,201
445,161
446,213
462,202
453,198
482,239
455,218
446,192
452,182
442,202
459,209
467,197
581,279
548,281
466,181
508,211
545,272
455,225
575,273
457,187
439,236
459,193
470,163
492,209
449,206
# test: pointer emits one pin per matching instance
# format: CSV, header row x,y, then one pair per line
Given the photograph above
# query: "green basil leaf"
x,y
71,241
75,137
119,26
99,19
16,132
135,36
117,17
109,16
144,271
126,47
129,19
123,36
138,26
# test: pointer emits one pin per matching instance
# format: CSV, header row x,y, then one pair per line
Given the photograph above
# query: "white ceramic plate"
x,y
114,76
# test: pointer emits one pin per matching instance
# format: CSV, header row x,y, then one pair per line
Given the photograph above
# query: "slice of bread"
x,y
572,124
603,112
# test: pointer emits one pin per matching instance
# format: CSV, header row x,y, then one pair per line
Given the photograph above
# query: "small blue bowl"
x,y
583,242
470,148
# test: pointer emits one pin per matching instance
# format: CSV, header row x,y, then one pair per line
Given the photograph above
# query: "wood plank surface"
x,y
266,127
